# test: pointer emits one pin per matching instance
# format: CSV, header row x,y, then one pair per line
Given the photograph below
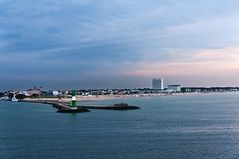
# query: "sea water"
x,y
168,127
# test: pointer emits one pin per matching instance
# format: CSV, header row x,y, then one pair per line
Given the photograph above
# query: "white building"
x,y
174,88
157,84
54,93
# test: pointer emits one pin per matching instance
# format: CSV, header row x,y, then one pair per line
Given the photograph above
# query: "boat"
x,y
14,99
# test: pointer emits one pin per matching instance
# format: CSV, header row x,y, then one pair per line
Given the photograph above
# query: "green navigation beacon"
x,y
73,99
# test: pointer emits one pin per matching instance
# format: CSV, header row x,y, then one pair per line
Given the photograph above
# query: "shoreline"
x,y
107,97
63,105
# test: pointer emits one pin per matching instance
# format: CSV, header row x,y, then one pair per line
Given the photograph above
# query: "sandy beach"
x,y
107,97
79,98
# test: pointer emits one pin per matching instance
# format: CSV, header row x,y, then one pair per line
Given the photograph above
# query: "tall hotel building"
x,y
157,84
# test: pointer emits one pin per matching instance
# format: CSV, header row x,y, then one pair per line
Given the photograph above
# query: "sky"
x,y
80,44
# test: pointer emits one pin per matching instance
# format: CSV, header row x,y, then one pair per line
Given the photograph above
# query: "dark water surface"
x,y
202,126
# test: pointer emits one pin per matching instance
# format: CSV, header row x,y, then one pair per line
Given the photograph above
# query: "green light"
x,y
73,104
73,99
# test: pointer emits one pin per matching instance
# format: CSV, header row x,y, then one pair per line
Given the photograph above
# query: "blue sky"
x,y
117,44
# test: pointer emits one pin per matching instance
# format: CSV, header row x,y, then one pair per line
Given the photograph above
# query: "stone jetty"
x,y
66,108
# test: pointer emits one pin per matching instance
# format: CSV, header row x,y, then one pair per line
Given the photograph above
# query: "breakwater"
x,y
66,108
112,107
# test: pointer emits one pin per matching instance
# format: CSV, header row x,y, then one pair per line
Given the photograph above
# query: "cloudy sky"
x,y
114,44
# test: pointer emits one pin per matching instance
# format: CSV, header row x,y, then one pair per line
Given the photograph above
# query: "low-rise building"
x,y
34,91
54,93
174,88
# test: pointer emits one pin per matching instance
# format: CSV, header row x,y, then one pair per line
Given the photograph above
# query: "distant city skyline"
x,y
118,44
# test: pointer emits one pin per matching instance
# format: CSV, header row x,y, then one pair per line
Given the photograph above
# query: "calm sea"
x,y
170,127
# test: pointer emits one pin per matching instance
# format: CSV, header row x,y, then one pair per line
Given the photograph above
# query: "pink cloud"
x,y
204,62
